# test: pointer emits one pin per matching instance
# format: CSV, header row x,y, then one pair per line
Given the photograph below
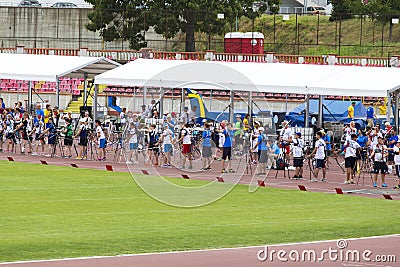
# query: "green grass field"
x,y
56,212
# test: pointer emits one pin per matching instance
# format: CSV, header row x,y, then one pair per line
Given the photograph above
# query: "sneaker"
x,y
223,171
232,171
104,159
100,159
295,177
78,158
208,168
346,182
323,180
300,177
84,157
136,162
182,167
314,179
352,182
384,185
375,184
397,187
128,162
203,169
190,168
48,155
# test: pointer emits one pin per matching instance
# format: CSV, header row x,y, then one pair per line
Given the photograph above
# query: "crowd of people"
x,y
158,137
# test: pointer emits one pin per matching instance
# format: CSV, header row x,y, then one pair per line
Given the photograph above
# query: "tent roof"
x,y
49,67
253,76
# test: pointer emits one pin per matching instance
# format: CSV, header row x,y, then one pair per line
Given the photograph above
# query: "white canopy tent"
x,y
263,77
51,68
259,77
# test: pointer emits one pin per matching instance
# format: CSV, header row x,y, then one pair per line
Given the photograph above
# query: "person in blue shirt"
x,y
51,136
274,152
371,115
40,112
262,151
392,139
206,147
363,141
227,148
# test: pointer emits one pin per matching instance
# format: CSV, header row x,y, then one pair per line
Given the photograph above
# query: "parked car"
x,y
64,5
314,10
29,3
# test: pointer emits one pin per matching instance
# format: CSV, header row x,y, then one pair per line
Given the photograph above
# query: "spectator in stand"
x,y
382,108
371,115
350,110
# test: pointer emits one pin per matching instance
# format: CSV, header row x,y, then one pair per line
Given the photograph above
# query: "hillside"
x,y
314,35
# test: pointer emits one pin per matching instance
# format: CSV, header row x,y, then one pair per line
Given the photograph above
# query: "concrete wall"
x,y
56,28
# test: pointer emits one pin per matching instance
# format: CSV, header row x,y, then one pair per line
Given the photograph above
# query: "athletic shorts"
x,y
102,143
133,146
350,162
167,148
83,141
186,148
51,140
206,151
39,137
227,153
320,163
68,141
153,147
263,156
380,166
297,162
11,136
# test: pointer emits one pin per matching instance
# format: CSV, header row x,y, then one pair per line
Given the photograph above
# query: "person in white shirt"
x,y
101,140
350,158
319,152
122,117
166,139
133,144
192,115
185,115
298,146
396,151
184,139
286,137
378,156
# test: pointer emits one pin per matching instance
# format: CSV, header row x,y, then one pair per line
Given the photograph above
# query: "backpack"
x,y
280,164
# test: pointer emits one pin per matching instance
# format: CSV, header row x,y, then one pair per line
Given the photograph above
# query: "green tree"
x,y
128,19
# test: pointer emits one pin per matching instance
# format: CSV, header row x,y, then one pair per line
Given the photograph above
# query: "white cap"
x,y
261,129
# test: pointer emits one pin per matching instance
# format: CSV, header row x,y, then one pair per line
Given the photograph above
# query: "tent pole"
x,y
58,92
161,102
307,113
182,101
29,107
145,96
389,107
231,105
85,90
320,111
250,107
96,88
